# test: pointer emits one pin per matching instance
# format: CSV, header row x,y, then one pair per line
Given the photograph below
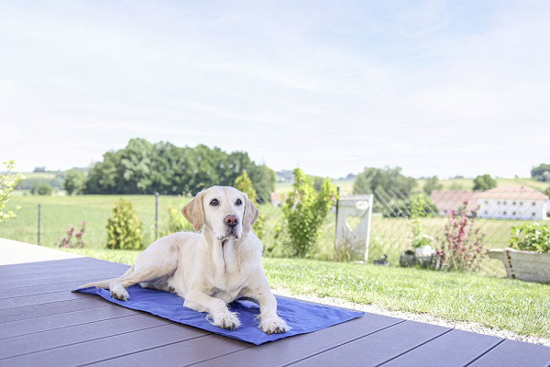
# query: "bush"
x,y
531,237
8,183
175,222
462,248
304,212
244,184
418,210
124,228
41,188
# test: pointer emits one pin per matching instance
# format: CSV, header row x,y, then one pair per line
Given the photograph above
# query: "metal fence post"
x,y
156,215
336,224
39,224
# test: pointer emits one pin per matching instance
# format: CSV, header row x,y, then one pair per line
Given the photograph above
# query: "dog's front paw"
x,y
120,293
226,320
274,325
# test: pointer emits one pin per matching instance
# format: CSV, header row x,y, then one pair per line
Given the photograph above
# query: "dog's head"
x,y
224,210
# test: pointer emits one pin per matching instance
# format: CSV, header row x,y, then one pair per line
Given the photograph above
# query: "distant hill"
x,y
53,178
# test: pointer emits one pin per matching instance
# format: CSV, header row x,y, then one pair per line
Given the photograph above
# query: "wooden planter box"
x,y
524,265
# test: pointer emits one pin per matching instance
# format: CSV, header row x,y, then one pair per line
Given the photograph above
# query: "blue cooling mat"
x,y
301,316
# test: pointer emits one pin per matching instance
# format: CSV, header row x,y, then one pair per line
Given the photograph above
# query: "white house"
x,y
512,202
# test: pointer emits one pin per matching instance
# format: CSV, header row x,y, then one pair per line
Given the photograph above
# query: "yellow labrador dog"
x,y
212,268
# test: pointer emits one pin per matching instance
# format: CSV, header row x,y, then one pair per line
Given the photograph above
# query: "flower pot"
x,y
524,265
424,255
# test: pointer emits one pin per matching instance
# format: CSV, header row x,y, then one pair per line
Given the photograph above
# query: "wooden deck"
x,y
43,324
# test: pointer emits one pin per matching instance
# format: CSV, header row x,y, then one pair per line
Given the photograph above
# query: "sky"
x,y
436,87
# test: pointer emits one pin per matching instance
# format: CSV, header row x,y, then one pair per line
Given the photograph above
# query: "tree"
x,y
104,177
244,184
8,183
305,210
263,178
75,182
431,185
388,180
144,168
484,182
538,172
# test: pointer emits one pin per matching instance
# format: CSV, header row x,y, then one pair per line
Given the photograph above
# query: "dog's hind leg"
x,y
141,273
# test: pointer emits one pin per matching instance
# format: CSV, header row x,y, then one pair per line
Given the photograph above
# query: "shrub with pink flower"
x,y
67,241
462,247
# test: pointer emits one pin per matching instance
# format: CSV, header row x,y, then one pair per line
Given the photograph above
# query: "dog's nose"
x,y
231,220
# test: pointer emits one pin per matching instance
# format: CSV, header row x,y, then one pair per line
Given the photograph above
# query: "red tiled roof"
x,y
452,200
513,192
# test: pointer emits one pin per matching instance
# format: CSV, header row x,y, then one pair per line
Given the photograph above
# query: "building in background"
x,y
512,202
451,200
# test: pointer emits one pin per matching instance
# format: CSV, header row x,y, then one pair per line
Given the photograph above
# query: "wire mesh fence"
x,y
49,224
495,212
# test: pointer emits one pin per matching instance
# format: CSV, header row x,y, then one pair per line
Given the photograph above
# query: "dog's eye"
x,y
214,202
238,202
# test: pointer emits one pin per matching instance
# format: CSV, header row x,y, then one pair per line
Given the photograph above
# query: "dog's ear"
x,y
251,213
194,212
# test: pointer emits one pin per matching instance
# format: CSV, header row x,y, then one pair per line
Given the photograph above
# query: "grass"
x,y
506,304
512,305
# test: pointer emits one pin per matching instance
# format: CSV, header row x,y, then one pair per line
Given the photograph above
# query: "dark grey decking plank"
x,y
46,288
106,348
38,299
50,264
34,325
180,354
296,348
456,348
379,347
48,309
76,334
511,353
58,266
23,281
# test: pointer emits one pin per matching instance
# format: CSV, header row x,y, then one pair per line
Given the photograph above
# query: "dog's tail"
x,y
101,284
105,283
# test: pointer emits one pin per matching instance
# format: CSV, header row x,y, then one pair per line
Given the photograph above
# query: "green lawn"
x,y
498,303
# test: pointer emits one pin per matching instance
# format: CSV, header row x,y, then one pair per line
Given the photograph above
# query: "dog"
x,y
209,269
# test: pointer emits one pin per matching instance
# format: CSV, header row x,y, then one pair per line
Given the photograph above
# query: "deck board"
x,y
80,317
379,347
43,323
293,349
50,339
455,348
511,353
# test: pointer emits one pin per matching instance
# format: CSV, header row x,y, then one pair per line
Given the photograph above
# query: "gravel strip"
x,y
425,318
